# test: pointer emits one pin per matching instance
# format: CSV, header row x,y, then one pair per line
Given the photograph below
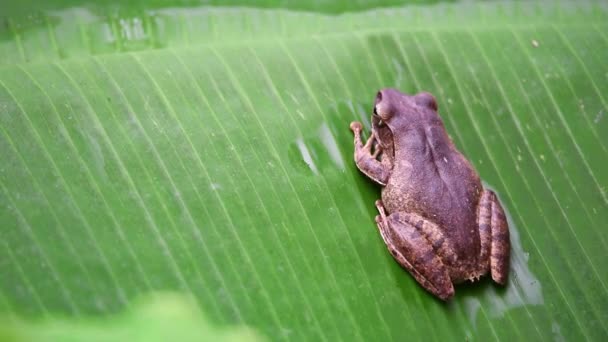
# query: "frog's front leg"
x,y
494,237
367,161
414,252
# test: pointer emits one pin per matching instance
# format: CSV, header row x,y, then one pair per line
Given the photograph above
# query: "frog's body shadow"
x,y
475,288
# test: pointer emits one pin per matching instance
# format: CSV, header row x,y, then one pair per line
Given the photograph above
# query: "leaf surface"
x,y
206,150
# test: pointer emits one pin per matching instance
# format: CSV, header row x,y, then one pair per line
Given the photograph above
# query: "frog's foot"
x,y
380,206
382,229
380,221
494,236
367,161
414,252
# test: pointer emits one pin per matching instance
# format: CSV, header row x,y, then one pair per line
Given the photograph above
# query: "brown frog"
x,y
436,218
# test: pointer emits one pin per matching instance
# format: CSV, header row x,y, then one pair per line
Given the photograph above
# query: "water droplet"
x,y
306,156
331,145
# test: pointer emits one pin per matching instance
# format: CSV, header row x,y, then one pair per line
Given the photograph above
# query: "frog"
x,y
434,215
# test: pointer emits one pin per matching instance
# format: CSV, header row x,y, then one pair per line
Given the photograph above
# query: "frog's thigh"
x,y
501,246
414,252
434,236
484,223
494,234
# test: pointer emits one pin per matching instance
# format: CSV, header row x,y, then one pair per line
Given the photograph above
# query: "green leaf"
x,y
206,150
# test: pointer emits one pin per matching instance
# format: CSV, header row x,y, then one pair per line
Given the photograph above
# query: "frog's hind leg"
x,y
484,222
494,237
414,252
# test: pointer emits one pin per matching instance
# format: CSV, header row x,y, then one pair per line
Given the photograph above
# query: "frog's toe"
x,y
380,206
474,277
356,126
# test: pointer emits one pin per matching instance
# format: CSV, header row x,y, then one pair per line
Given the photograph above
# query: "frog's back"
x,y
433,179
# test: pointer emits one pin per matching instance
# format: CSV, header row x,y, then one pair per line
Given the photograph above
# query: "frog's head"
x,y
398,110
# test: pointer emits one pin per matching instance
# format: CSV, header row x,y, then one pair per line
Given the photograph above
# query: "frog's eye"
x,y
380,107
427,100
